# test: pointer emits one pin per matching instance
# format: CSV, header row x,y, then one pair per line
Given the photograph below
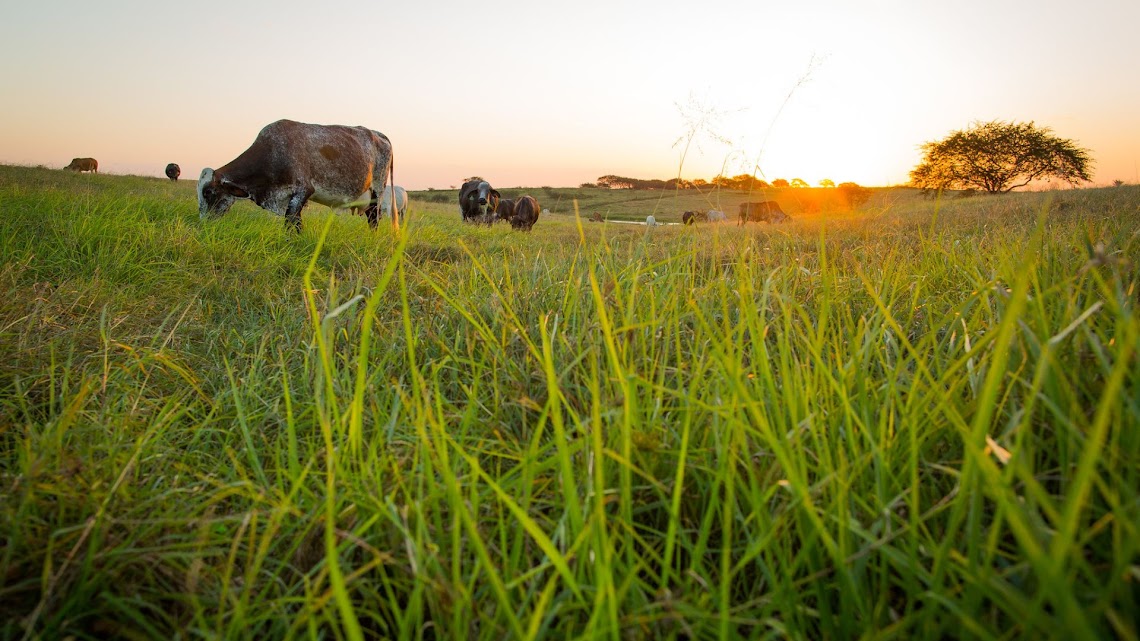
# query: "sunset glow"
x,y
533,95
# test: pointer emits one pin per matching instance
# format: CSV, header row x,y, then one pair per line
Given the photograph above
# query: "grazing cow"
x,y
596,217
689,217
401,201
478,202
525,214
766,210
650,221
716,216
79,165
505,209
386,203
290,163
173,171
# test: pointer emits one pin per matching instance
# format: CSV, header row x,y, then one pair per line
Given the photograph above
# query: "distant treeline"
x,y
743,182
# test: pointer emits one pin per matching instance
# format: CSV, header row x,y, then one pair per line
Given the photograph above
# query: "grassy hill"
x,y
918,419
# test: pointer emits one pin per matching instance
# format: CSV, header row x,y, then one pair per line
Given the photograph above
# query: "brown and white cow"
x,y
79,165
290,163
525,214
766,210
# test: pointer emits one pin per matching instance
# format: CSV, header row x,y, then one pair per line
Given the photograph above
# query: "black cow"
x,y
173,171
505,209
478,202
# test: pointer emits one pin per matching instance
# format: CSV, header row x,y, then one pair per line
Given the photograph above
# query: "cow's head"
x,y
216,194
481,199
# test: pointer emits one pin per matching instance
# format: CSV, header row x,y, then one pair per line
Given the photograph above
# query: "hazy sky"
x,y
560,93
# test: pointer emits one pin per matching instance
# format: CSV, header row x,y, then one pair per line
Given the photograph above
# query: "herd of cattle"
x,y
481,203
291,163
766,211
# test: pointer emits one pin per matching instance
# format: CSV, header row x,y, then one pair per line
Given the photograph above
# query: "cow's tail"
x,y
396,222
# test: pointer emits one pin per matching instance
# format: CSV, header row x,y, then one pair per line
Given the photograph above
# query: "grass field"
x,y
918,420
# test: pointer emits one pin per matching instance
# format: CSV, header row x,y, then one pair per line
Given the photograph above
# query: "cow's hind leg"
x,y
373,210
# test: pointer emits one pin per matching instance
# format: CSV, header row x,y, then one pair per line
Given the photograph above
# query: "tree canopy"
x,y
854,194
999,157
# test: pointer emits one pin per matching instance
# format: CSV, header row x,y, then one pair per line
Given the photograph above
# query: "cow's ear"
x,y
496,194
228,187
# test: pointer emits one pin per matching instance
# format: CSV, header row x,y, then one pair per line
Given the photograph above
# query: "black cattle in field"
x,y
291,163
173,171
79,165
478,202
526,213
689,217
505,209
766,210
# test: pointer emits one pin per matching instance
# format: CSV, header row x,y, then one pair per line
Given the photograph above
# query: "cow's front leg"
x,y
293,211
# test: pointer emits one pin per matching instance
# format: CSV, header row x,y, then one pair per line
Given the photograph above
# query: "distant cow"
x,y
478,202
173,171
79,165
401,201
525,214
290,163
766,210
505,210
650,221
596,217
690,217
386,203
716,216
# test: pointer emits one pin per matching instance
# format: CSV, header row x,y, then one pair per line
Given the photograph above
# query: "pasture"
x,y
919,419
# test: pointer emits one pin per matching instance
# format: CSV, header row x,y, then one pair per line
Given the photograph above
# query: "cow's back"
x,y
339,162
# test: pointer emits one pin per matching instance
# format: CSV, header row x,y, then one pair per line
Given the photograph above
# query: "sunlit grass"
x,y
917,421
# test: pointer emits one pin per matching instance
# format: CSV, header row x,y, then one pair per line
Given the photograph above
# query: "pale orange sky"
x,y
528,94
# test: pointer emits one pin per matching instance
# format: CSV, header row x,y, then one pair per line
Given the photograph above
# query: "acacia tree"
x,y
999,157
854,194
